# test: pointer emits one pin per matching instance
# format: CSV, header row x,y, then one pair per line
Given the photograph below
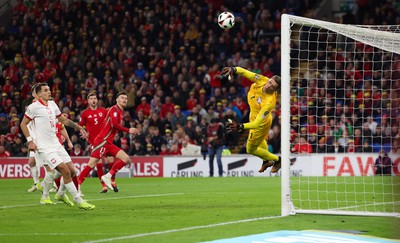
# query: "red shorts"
x,y
103,148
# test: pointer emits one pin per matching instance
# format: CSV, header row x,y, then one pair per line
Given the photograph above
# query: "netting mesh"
x,y
345,114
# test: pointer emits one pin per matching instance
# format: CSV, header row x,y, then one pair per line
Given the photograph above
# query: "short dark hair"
x,y
277,79
33,87
123,92
91,93
39,86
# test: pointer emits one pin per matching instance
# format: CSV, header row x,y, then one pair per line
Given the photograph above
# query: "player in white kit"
x,y
32,158
44,113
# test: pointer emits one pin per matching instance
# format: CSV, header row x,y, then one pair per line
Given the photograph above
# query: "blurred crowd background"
x,y
168,56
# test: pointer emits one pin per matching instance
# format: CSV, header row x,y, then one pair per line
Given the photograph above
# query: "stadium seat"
x,y
376,147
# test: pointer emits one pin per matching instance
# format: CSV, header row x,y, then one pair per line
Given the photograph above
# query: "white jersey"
x,y
31,126
44,119
32,134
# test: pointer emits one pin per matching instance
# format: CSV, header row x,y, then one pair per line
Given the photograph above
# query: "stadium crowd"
x,y
168,56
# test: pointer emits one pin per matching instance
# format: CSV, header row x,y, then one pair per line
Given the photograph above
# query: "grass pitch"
x,y
166,210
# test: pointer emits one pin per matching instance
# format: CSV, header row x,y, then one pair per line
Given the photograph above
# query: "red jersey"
x,y
59,127
302,148
165,108
112,124
93,120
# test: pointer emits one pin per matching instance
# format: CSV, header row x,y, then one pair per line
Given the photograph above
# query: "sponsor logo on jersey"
x,y
265,114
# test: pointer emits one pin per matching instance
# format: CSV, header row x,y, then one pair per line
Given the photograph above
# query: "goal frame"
x,y
287,206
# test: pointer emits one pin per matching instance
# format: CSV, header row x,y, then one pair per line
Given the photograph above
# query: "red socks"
x,y
117,166
100,173
110,165
57,182
75,181
84,173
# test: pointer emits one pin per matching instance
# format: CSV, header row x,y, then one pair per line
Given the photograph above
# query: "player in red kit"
x,y
103,144
92,119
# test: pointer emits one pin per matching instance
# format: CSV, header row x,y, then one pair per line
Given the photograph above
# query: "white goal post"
x,y
306,45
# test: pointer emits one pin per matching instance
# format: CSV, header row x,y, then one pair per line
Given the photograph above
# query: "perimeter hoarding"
x,y
233,166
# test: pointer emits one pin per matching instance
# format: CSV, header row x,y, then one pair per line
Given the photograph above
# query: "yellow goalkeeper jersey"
x,y
260,104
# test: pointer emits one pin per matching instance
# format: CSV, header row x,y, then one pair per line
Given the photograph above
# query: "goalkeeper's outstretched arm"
x,y
229,71
233,126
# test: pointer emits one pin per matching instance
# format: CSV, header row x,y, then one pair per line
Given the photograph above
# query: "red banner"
x,y
151,166
15,168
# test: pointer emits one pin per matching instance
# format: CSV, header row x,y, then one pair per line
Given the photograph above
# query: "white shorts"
x,y
39,159
55,156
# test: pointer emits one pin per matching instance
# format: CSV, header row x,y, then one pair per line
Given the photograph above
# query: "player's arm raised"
x,y
229,71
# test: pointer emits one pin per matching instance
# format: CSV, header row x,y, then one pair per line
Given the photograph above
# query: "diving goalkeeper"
x,y
262,99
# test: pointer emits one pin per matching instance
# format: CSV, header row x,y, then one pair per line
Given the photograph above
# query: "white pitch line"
x,y
100,199
182,229
367,205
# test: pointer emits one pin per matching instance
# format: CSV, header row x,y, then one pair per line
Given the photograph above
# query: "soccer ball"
x,y
226,20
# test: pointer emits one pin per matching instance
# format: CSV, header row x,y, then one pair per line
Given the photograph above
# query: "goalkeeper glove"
x,y
228,72
233,126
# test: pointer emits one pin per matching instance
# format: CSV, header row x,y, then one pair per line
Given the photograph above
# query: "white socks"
x,y
72,189
47,183
35,174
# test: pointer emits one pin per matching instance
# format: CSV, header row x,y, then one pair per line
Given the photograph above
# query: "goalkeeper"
x,y
262,99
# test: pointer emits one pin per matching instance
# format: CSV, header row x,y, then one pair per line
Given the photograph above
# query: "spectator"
x,y
322,147
215,134
190,127
3,152
302,147
138,148
178,117
23,151
149,149
4,124
191,102
350,148
77,151
383,164
125,146
371,124
366,148
189,149
144,107
395,147
211,113
16,146
168,106
157,140
164,150
174,149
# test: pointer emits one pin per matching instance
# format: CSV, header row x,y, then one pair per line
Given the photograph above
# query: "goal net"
x,y
340,117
